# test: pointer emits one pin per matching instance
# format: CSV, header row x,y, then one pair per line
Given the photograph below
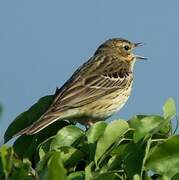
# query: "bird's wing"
x,y
95,79
98,77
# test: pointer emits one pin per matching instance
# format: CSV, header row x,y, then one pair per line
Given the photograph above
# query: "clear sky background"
x,y
42,43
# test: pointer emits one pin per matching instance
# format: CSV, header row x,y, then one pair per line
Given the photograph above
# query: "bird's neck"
x,y
131,65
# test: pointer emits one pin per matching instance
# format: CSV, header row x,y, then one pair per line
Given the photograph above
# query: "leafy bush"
x,y
143,147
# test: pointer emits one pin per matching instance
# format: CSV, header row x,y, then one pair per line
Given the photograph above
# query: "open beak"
x,y
141,57
138,44
137,56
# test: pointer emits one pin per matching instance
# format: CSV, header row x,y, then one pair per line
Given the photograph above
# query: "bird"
x,y
96,90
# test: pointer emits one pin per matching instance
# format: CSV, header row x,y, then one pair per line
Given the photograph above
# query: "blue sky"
x,y
42,43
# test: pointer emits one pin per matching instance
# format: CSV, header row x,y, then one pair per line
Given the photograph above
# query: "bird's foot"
x,y
89,123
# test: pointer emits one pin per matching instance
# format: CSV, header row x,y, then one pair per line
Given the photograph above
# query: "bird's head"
x,y
122,47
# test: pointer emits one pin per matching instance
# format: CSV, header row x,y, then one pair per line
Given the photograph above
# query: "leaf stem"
x,y
156,140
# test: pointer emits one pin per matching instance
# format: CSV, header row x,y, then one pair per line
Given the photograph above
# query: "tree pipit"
x,y
96,90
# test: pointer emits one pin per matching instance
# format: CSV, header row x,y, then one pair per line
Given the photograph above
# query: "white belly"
x,y
108,105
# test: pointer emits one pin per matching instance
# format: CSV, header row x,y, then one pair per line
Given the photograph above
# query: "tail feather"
x,y
37,126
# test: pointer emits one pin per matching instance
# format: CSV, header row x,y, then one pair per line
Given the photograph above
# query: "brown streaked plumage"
x,y
98,89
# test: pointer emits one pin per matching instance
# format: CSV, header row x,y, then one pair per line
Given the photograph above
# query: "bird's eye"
x,y
126,47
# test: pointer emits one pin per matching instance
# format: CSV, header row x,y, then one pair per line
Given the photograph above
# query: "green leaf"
x,y
136,177
28,117
114,162
130,157
146,176
70,156
6,158
13,168
91,175
22,170
51,167
44,147
147,126
88,171
164,158
93,134
175,177
118,154
135,121
120,149
42,164
67,136
107,176
133,158
55,170
26,146
112,133
80,175
169,109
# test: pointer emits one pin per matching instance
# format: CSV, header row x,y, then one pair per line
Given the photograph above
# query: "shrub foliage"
x,y
143,147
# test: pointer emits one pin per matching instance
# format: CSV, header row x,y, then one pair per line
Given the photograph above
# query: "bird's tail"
x,y
40,124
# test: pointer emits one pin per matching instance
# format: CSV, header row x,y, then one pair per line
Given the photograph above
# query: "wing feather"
x,y
85,87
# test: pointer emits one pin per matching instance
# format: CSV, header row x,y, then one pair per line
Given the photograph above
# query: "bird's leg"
x,y
89,123
86,127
